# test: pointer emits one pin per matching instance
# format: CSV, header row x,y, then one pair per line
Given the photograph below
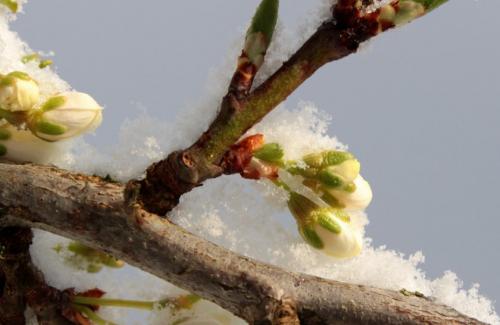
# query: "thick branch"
x,y
92,211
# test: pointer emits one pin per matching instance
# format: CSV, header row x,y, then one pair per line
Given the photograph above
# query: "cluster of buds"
x,y
335,176
60,117
334,186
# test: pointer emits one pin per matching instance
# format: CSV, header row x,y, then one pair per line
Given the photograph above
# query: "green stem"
x,y
225,132
328,44
281,184
145,305
91,315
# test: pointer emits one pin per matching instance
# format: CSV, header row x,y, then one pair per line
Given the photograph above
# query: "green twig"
x,y
136,304
87,312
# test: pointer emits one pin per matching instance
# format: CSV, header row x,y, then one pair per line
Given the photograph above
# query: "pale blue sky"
x,y
419,106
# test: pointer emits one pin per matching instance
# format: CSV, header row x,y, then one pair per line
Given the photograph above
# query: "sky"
x,y
418,106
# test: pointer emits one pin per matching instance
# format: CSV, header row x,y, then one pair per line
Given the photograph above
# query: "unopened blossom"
x,y
66,115
18,92
325,229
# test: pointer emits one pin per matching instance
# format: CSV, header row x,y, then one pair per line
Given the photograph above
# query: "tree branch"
x,y
338,37
92,211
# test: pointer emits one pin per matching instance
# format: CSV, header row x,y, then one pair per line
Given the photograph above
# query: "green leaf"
x,y
271,152
265,18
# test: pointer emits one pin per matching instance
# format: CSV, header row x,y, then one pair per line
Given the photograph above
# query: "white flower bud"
x,y
342,240
325,229
357,197
18,92
66,115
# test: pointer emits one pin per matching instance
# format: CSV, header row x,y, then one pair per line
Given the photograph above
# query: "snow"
x,y
247,217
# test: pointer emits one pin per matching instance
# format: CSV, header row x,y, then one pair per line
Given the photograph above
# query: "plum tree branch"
x,y
336,38
93,211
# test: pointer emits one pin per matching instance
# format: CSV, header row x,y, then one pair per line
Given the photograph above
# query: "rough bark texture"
x,y
92,211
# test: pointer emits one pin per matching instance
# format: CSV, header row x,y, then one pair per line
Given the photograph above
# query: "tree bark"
x,y
93,211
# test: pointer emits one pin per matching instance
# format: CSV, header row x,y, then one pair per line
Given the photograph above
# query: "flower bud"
x,y
325,229
335,175
355,196
339,175
65,116
18,92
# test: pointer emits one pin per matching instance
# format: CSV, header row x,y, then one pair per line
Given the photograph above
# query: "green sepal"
x,y
10,78
53,103
301,207
5,134
270,152
45,63
49,128
329,179
30,57
11,4
306,172
3,150
311,237
19,75
327,158
332,200
341,214
325,220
